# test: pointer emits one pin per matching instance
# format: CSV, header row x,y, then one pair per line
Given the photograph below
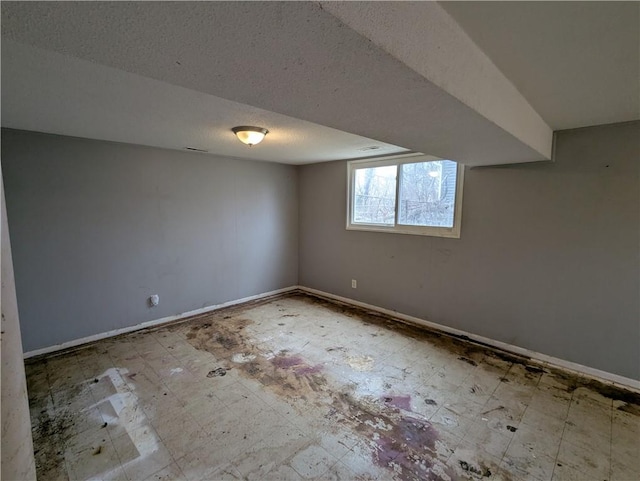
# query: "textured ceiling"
x,y
49,92
477,82
299,60
578,63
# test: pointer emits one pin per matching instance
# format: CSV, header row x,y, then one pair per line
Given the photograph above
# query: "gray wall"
x,y
548,259
97,227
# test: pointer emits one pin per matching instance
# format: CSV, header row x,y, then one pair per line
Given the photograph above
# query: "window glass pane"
x,y
374,200
427,193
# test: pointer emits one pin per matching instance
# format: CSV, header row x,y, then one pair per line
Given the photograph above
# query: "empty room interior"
x,y
320,240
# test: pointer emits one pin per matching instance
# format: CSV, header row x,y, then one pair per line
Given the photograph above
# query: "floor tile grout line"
x,y
147,420
564,428
511,440
120,464
611,444
162,469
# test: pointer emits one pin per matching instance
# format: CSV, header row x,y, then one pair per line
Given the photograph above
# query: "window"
x,y
411,194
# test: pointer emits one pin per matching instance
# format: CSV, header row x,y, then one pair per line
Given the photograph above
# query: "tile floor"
x,y
301,388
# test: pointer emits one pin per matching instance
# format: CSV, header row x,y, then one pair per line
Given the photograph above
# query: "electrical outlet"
x,y
354,283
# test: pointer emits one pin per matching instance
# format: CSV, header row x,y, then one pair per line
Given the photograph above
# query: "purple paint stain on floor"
x,y
417,433
400,402
297,364
285,362
385,452
410,445
307,370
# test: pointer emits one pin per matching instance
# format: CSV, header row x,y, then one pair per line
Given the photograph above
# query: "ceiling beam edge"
x,y
424,37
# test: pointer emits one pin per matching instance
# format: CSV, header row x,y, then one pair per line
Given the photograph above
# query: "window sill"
x,y
451,233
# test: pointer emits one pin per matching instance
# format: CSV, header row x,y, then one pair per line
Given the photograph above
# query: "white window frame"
x,y
451,232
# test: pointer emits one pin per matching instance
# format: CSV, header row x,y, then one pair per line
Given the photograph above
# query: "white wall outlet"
x,y
354,283
154,300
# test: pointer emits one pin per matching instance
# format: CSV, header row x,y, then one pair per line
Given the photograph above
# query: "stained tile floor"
x,y
297,387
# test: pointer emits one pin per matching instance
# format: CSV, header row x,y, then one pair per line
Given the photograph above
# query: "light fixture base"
x,y
250,135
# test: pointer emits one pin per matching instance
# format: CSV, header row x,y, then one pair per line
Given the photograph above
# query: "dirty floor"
x,y
301,388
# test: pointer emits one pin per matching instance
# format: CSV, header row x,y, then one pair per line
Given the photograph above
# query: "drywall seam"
x,y
154,323
544,359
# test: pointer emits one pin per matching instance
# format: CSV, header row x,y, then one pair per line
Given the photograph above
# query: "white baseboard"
x,y
157,322
537,357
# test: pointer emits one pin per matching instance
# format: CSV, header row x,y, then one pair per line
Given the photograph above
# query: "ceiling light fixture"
x,y
250,135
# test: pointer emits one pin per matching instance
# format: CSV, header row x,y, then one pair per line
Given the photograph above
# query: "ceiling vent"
x,y
193,149
370,147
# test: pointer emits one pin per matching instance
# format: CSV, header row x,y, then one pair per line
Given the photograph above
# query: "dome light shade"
x,y
250,135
